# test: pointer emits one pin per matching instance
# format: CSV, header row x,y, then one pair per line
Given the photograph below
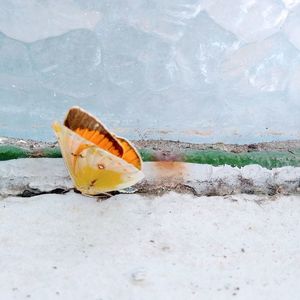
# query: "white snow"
x,y
134,247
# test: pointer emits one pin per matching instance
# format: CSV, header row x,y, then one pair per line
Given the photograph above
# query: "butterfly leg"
x,y
99,197
103,196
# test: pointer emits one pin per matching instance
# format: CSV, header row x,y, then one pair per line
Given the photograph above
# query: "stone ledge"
x,y
45,175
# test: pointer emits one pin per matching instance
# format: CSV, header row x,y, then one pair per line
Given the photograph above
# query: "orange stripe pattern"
x,y
130,154
91,129
99,139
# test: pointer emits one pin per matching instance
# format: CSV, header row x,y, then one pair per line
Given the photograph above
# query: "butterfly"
x,y
98,161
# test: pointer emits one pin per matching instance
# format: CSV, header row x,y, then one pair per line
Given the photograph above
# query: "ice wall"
x,y
200,71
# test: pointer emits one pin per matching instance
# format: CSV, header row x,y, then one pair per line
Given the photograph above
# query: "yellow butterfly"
x,y
97,160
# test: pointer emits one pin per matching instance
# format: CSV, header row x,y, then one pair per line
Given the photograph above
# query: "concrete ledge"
x,y
45,175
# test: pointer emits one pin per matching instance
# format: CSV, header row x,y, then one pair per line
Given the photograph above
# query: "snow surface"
x,y
134,247
194,70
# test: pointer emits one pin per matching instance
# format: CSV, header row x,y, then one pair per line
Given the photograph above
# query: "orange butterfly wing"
x,y
130,154
91,129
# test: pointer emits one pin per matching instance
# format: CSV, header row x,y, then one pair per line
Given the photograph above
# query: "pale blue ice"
x,y
190,70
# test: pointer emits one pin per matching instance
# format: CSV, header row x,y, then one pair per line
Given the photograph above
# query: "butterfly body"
x,y
96,160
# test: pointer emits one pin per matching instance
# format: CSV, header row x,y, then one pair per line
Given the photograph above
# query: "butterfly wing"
x,y
92,129
92,169
130,153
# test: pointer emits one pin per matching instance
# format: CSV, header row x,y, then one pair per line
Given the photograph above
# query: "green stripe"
x,y
268,159
12,152
52,152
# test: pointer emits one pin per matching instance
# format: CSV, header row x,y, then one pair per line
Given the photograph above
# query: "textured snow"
x,y
136,247
194,70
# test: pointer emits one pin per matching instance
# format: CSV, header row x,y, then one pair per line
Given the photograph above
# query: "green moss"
x,y
267,159
51,152
147,155
12,152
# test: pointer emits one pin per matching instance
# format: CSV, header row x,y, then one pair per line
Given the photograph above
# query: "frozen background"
x,y
199,71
